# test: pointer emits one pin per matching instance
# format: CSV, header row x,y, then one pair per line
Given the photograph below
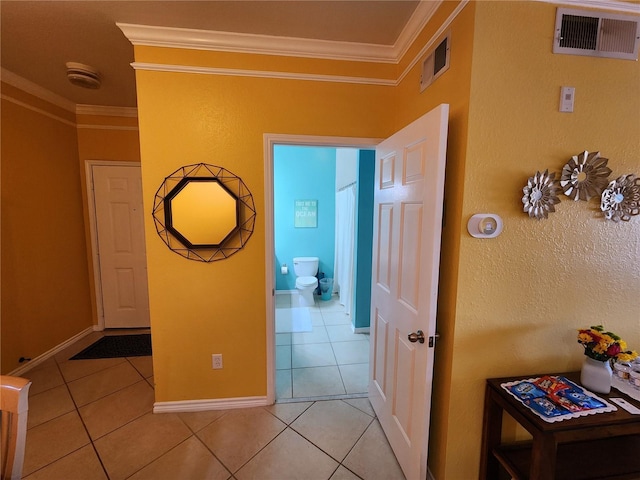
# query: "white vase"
x,y
596,375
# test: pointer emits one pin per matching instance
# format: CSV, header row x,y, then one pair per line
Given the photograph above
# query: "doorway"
x,y
319,350
118,244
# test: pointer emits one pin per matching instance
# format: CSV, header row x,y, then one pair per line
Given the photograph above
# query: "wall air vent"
x,y
436,63
596,34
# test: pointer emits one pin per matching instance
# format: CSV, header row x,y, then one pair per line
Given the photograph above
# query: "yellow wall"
x,y
521,296
197,308
104,138
45,288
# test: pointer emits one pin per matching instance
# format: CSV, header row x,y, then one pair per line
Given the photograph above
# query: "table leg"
x,y
543,457
491,436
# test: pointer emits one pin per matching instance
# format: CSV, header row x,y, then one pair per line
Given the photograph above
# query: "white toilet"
x,y
306,269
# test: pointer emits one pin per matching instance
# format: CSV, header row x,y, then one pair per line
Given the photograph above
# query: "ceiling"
x,y
39,37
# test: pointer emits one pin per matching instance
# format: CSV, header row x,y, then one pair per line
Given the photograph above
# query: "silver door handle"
x,y
416,337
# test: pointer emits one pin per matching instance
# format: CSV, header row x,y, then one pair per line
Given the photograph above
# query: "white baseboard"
x,y
286,292
48,354
212,404
360,329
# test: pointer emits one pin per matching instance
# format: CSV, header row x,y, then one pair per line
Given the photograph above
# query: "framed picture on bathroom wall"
x,y
306,214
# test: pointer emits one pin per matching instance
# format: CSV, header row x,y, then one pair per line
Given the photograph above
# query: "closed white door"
x,y
122,255
408,203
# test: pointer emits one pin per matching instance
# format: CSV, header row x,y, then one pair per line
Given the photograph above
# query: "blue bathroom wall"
x,y
303,173
364,238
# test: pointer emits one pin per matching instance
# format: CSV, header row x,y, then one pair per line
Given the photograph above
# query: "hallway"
x,y
92,419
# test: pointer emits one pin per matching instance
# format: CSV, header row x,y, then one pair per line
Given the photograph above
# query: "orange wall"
x,y
45,287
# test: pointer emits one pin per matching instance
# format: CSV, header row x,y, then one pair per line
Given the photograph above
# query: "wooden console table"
x,y
600,446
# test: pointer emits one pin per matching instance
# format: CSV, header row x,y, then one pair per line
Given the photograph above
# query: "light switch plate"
x,y
567,97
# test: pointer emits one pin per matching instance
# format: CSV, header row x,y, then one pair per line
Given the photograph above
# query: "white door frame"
x,y
93,228
270,140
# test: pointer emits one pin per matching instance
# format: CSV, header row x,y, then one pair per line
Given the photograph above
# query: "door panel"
x,y
408,202
120,232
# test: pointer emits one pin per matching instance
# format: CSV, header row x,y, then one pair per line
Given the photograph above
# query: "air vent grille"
x,y
597,35
618,35
436,63
579,32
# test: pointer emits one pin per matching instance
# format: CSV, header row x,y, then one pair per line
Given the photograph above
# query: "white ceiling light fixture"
x,y
83,75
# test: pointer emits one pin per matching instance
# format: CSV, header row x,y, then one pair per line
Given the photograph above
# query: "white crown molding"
x,y
106,127
28,106
419,19
611,5
131,112
158,67
285,46
36,90
251,43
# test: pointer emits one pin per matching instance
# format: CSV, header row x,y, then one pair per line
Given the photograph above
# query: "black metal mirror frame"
x,y
232,184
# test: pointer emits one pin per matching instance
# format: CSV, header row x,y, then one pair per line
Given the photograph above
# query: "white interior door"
x,y
122,255
408,203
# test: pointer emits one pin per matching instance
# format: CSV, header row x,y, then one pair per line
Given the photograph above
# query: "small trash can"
x,y
326,288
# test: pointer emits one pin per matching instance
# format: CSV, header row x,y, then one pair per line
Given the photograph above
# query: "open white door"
x,y
121,246
408,201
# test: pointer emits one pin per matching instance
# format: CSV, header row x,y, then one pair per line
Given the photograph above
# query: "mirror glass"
x,y
202,212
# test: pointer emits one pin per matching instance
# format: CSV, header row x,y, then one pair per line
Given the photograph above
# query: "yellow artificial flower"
x,y
601,347
584,338
607,339
627,357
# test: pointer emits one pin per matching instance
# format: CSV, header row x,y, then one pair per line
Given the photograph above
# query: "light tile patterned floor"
x,y
329,360
92,419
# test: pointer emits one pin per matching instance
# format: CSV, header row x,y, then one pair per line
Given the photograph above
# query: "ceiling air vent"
x,y
596,34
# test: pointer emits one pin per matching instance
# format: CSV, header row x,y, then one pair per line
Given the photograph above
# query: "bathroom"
x,y
323,209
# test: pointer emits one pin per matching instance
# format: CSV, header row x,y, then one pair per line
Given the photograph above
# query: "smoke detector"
x,y
83,75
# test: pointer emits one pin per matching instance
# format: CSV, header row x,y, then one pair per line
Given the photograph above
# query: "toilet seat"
x,y
306,282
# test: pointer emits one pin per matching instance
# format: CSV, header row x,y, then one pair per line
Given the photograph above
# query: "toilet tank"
x,y
305,266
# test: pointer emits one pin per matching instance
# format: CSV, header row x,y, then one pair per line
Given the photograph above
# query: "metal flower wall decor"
x,y
621,199
585,176
540,195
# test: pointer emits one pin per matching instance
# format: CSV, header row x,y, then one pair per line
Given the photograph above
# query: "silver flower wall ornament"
x,y
585,176
540,195
621,199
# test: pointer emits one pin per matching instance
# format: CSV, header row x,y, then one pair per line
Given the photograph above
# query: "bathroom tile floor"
x,y
330,360
92,419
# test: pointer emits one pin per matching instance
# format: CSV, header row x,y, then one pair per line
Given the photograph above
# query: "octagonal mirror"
x,y
201,212
204,212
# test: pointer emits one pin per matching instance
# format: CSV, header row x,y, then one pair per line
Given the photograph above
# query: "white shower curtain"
x,y
345,245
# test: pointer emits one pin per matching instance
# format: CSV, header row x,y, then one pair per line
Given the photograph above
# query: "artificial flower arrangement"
x,y
604,346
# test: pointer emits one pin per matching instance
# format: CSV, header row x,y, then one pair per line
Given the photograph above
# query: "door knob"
x,y
416,337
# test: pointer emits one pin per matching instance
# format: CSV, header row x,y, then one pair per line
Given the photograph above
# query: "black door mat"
x,y
113,346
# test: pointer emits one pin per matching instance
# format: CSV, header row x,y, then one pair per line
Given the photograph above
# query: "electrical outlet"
x,y
216,360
